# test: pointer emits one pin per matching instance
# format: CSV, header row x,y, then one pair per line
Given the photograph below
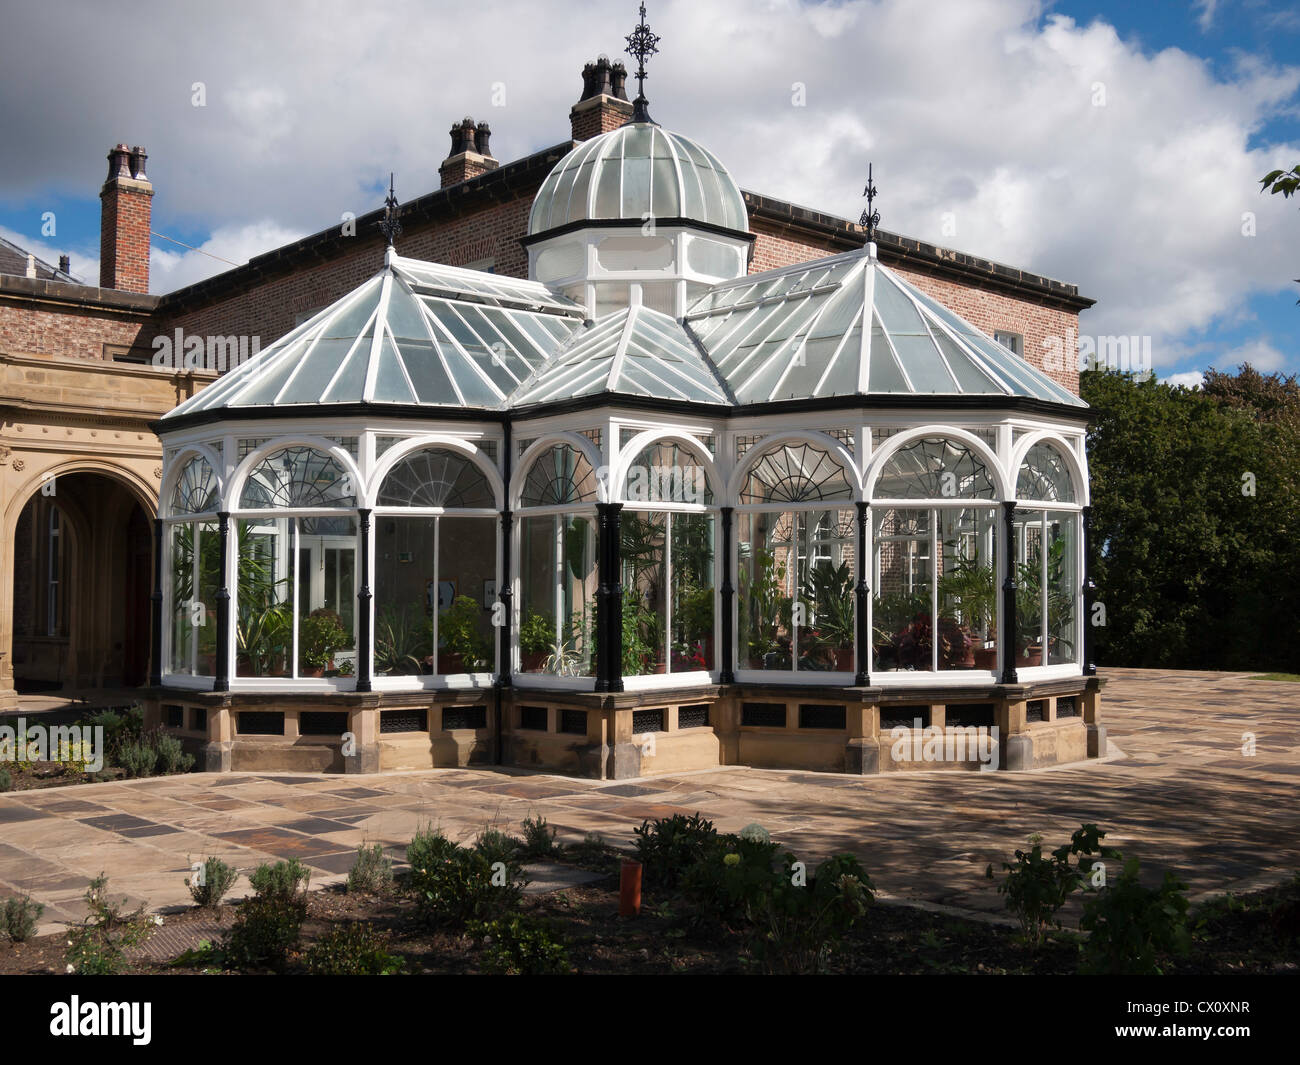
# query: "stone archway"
x,y
76,580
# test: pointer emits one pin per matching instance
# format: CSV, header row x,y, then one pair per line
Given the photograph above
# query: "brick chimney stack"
x,y
604,105
471,154
124,220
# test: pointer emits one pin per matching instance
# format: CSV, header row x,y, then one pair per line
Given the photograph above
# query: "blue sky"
x,y
984,128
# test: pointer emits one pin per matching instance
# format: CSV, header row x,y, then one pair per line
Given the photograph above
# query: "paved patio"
x,y
1181,795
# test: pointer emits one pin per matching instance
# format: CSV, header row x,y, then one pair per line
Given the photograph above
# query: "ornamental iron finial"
x,y
641,44
389,225
870,218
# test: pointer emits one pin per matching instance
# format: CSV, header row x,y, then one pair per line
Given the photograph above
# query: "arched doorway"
x,y
81,569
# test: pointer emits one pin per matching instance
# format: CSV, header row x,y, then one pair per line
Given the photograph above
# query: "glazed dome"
x,y
638,169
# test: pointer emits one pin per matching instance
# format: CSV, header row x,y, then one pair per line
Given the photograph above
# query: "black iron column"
x,y
1089,595
609,600
1009,594
364,662
727,667
506,596
862,596
222,682
155,606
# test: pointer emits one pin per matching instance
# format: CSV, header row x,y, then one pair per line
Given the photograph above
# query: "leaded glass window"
x,y
796,473
561,474
196,488
298,477
1045,476
935,468
436,477
667,472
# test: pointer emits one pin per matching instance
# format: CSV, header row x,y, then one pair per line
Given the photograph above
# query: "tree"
x,y
1287,182
1196,507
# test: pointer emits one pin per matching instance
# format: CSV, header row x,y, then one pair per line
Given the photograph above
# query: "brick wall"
x,y
41,329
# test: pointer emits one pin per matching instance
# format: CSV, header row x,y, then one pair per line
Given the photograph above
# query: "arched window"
x,y
934,600
195,491
295,603
796,560
667,552
935,468
557,565
437,535
193,576
1047,561
1045,476
559,475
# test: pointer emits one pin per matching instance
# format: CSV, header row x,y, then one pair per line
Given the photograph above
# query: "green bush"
x,y
352,949
496,847
373,870
120,728
20,916
97,947
670,846
6,780
171,757
453,884
520,946
1036,887
210,883
138,758
730,877
284,881
1130,925
265,932
539,838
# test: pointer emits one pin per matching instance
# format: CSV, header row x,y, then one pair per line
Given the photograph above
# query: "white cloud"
x,y
170,270
1262,355
1205,13
1191,379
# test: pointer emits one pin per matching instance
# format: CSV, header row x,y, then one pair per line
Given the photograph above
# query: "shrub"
x,y
282,881
211,882
97,947
138,758
372,871
119,730
670,846
496,847
171,757
352,949
539,838
730,878
265,932
1130,925
796,925
20,916
1036,887
520,946
453,884
6,780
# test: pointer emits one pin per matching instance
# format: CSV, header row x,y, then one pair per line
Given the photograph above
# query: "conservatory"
x,y
641,513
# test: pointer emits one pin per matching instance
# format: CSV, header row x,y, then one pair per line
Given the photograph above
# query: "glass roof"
x,y
637,169
416,332
847,325
636,351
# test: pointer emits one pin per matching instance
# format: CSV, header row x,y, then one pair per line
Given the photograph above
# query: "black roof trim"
x,y
634,223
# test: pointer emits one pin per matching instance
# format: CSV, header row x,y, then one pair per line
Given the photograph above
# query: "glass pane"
x,y
326,635
968,588
765,590
196,488
667,472
298,477
829,573
189,623
691,577
436,477
1063,587
558,581
901,606
404,573
1029,587
795,473
561,474
263,607
1045,476
645,592
934,468
467,561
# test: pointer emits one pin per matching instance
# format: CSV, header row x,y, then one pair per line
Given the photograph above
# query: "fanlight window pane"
x,y
196,488
935,468
796,473
1044,475
436,477
561,474
667,472
298,477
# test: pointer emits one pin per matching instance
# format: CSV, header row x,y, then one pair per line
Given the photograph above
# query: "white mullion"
x,y
297,581
377,342
437,597
668,587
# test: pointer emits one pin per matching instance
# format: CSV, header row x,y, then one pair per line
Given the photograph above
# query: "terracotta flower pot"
x,y
532,661
844,659
986,658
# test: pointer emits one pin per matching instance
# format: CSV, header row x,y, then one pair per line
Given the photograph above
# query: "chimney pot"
x,y
482,137
65,264
138,157
604,105
119,162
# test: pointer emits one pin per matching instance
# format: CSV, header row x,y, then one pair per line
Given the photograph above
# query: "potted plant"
x,y
892,616
829,590
697,621
403,638
536,640
462,647
320,634
763,611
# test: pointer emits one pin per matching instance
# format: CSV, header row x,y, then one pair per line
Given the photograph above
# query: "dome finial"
x,y
389,225
870,217
641,44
